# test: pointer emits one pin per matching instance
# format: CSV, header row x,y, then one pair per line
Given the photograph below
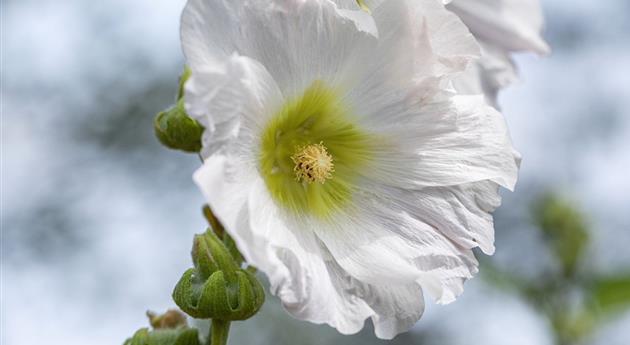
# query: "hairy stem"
x,y
219,332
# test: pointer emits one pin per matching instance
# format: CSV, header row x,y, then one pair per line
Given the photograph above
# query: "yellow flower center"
x,y
313,163
298,172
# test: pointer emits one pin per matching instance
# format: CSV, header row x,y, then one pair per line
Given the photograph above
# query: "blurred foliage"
x,y
611,295
565,229
575,300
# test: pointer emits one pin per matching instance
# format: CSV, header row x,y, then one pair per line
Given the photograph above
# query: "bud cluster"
x,y
217,287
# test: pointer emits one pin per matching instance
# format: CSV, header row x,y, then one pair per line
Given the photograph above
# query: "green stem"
x,y
219,332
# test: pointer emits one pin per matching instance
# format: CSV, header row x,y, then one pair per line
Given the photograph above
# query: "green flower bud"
x,y
176,130
229,243
217,287
169,329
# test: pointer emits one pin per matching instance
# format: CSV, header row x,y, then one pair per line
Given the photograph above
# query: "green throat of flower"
x,y
312,153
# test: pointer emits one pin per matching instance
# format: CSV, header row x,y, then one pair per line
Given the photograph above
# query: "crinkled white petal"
x,y
462,213
442,43
514,25
381,233
501,27
394,308
443,142
493,72
450,39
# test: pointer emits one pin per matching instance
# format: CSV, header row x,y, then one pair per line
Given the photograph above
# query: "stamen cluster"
x,y
313,163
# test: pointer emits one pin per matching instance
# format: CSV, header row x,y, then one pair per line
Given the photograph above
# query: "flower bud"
x,y
171,319
169,329
217,287
218,229
176,130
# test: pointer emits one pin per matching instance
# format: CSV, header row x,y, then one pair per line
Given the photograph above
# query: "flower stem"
x,y
219,332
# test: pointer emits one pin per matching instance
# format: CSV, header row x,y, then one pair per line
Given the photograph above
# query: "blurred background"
x,y
98,217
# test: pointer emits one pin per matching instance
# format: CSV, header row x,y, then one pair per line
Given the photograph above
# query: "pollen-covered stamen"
x,y
313,163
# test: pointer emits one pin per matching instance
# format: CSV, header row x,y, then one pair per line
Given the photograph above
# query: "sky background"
x,y
98,218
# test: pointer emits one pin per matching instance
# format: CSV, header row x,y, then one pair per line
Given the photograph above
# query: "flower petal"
x,y
443,142
382,241
442,44
494,71
298,42
394,308
462,213
514,25
229,97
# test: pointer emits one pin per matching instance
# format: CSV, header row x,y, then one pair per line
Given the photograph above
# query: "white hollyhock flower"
x,y
502,27
336,159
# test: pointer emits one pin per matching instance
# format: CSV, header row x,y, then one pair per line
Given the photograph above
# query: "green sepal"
x,y
217,287
178,336
182,82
